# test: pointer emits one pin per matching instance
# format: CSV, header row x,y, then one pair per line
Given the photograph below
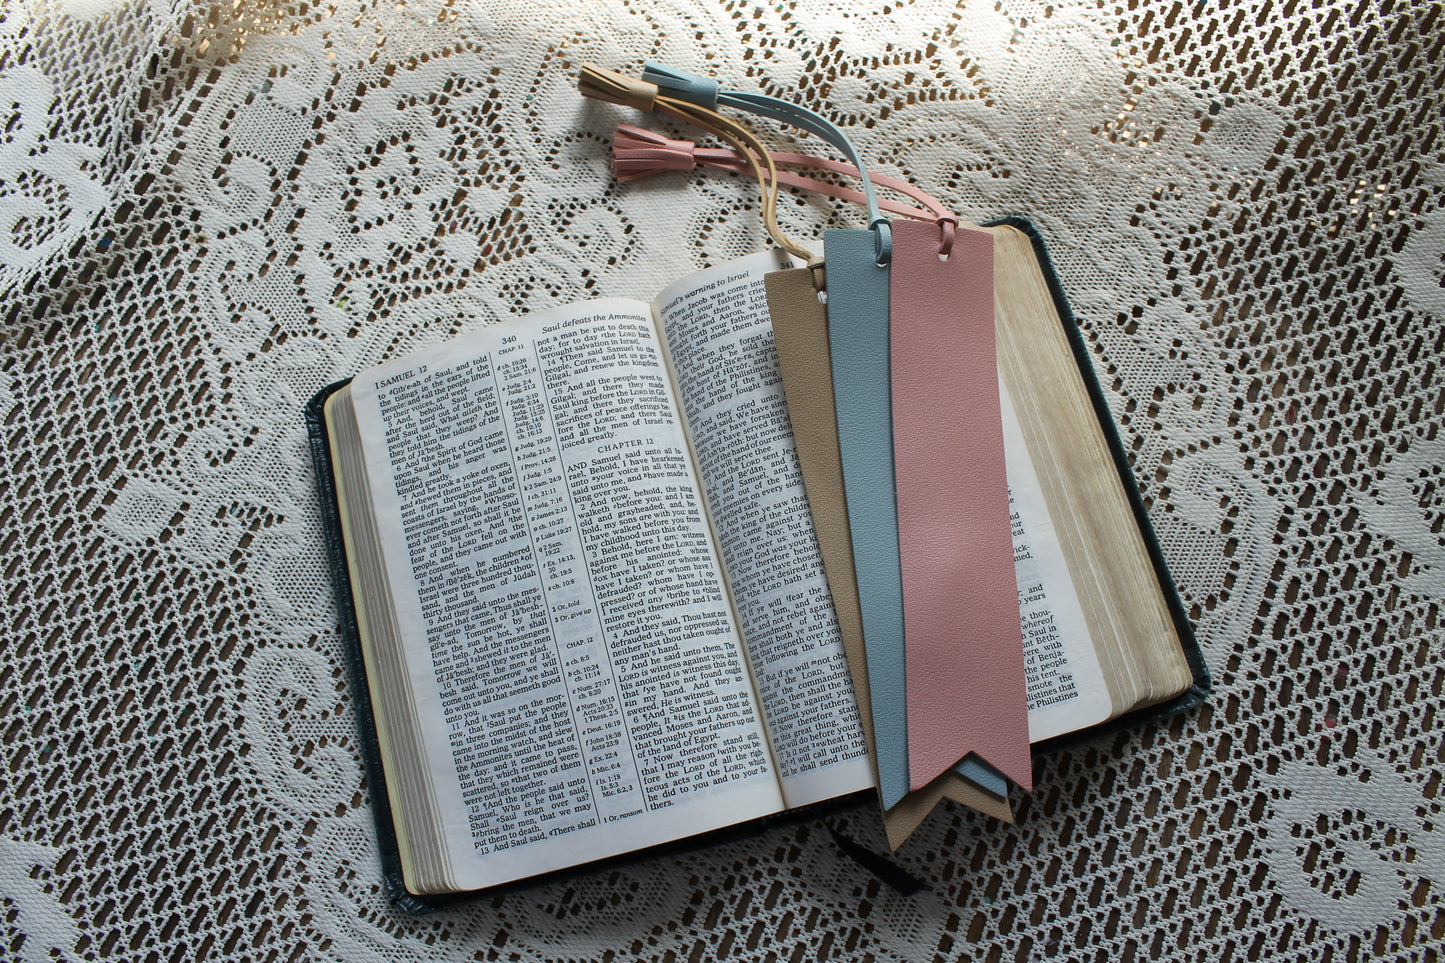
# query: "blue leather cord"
x,y
706,92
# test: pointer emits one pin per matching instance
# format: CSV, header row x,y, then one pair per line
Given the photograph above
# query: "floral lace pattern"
x,y
210,211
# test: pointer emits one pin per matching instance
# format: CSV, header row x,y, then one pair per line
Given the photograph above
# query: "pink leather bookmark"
x,y
965,667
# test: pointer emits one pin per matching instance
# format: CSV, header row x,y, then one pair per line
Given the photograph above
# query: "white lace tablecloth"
x,y
211,211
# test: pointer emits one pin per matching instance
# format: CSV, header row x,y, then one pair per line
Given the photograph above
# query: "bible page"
x,y
1065,686
720,342
581,687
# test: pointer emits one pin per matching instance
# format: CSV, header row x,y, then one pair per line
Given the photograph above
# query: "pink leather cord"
x,y
637,152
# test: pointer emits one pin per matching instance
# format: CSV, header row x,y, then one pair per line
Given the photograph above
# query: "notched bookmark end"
x,y
611,87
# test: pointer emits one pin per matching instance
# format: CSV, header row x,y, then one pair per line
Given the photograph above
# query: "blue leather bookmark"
x,y
858,338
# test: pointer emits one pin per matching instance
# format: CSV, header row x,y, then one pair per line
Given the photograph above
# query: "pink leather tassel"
x,y
637,153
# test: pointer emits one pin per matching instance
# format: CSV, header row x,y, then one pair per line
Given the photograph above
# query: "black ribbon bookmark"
x,y
889,873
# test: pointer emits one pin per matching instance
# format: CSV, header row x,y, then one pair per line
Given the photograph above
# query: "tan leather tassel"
x,y
611,87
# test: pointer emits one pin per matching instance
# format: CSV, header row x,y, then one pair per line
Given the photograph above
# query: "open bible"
x,y
576,559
